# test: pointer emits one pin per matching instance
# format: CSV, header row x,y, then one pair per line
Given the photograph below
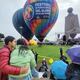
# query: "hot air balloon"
x,y
72,35
20,25
40,16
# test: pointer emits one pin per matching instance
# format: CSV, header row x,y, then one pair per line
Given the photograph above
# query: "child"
x,y
44,68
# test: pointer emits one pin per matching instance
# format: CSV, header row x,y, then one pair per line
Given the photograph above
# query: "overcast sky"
x,y
8,7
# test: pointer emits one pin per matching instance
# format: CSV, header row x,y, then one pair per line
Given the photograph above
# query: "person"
x,y
73,71
71,24
5,67
64,39
23,56
44,68
36,55
57,70
62,57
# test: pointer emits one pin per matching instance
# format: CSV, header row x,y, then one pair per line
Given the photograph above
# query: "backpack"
x,y
73,72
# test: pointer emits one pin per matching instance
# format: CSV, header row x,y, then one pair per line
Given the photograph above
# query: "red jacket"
x,y
5,68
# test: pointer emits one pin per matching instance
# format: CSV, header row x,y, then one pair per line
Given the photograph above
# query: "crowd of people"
x,y
18,62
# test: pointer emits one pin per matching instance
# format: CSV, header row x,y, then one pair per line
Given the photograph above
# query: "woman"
x,y
22,56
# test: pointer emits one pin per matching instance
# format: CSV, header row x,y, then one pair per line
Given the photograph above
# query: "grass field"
x,y
48,51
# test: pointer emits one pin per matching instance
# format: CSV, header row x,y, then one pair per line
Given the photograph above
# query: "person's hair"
x,y
21,42
22,50
23,46
8,39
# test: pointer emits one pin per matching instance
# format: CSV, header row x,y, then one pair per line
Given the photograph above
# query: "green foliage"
x,y
1,35
1,44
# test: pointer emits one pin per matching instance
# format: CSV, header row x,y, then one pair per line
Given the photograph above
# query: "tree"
x,y
1,36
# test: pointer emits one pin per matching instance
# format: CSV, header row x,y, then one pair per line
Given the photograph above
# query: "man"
x,y
5,68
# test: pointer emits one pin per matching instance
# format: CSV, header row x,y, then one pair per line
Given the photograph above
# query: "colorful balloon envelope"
x,y
40,16
20,25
